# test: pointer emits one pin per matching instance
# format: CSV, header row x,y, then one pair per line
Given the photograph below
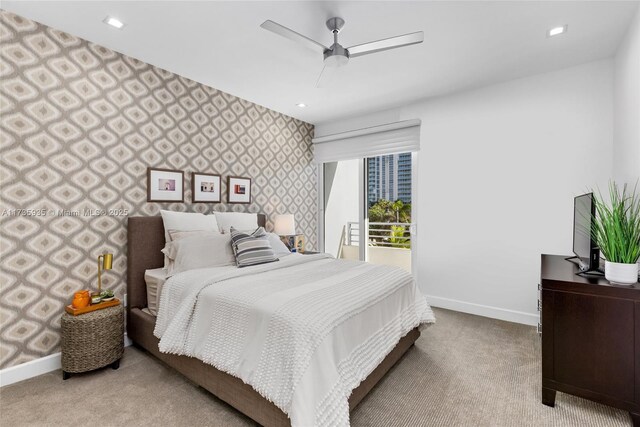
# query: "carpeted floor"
x,y
464,371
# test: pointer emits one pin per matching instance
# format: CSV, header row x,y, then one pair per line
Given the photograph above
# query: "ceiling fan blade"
x,y
283,31
327,77
386,44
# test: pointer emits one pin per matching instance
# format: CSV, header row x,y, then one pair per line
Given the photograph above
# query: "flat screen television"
x,y
584,247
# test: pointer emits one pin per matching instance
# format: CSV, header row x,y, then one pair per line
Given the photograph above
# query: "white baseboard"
x,y
29,369
485,310
36,367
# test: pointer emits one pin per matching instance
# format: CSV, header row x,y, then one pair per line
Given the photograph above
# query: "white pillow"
x,y
177,235
212,250
278,245
155,279
186,221
239,221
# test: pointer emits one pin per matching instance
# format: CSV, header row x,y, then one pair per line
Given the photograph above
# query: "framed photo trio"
x,y
167,185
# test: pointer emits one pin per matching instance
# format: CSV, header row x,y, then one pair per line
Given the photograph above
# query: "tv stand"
x,y
591,273
583,269
590,337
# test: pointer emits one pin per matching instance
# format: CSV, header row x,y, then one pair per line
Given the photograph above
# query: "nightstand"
x,y
92,340
293,241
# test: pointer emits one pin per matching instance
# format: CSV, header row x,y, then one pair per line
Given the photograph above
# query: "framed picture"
x,y
205,188
165,185
238,189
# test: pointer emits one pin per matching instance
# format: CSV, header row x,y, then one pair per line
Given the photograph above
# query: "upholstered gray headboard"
x,y
145,240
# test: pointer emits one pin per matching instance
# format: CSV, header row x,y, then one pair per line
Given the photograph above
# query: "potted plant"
x,y
616,230
107,295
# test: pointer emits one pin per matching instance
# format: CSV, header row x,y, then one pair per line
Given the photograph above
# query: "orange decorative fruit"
x,y
81,299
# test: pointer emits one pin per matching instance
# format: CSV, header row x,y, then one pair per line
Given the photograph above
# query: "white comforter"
x,y
303,332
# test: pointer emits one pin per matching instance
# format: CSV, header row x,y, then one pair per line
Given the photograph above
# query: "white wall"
x,y
341,195
498,171
626,150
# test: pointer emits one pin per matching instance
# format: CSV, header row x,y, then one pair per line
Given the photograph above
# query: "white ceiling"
x,y
467,45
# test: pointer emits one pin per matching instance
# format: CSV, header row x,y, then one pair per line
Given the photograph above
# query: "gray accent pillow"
x,y
253,248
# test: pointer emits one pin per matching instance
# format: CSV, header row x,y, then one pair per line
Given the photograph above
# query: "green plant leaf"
x,y
616,224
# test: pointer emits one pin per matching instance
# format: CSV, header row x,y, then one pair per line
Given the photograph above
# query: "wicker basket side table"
x,y
92,340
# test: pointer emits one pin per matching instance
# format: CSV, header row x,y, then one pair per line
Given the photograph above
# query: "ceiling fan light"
x,y
336,60
336,56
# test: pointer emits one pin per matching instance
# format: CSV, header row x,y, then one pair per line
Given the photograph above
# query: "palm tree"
x,y
402,210
397,207
385,211
381,211
398,238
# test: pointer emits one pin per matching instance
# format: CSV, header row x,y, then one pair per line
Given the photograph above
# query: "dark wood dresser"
x,y
590,337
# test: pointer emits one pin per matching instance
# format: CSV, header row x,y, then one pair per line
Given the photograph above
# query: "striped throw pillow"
x,y
252,249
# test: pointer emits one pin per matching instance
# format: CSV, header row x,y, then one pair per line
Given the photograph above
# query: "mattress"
x,y
154,279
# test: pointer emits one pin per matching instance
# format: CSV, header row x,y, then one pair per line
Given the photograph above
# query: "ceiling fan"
x,y
336,55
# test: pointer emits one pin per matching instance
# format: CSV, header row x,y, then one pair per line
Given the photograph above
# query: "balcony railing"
x,y
385,234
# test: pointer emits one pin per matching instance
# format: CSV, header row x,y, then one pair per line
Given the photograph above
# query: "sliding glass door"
x,y
366,185
389,209
368,209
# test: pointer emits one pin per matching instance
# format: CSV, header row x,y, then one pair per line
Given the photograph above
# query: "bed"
x,y
145,241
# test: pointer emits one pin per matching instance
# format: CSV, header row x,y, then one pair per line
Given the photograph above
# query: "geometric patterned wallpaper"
x,y
79,124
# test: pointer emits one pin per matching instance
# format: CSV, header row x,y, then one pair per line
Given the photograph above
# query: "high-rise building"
x,y
390,178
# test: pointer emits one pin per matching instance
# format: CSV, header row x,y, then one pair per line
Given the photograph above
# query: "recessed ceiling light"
x,y
556,31
114,22
301,105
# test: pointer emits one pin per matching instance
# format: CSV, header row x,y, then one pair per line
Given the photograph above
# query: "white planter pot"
x,y
626,274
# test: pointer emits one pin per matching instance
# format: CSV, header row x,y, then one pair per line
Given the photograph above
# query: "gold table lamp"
x,y
104,263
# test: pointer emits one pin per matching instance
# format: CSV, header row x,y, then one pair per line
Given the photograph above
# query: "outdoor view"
x,y
388,186
389,224
389,200
387,181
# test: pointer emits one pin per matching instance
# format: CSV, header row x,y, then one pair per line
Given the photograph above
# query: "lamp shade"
x,y
107,261
284,225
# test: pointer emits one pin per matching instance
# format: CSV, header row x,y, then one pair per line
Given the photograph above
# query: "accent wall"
x,y
79,126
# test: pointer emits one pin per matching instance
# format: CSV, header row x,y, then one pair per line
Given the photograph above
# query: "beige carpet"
x,y
464,371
